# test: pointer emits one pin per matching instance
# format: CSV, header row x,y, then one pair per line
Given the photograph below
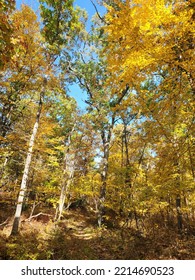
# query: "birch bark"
x,y
23,187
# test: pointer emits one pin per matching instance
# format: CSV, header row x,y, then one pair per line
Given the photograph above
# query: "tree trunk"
x,y
69,168
66,185
178,198
127,160
191,160
3,170
104,175
179,214
4,166
177,167
15,227
102,197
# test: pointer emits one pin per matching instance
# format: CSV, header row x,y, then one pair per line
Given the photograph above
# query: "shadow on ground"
x,y
77,238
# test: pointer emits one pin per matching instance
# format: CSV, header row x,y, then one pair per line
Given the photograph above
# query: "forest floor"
x,y
76,237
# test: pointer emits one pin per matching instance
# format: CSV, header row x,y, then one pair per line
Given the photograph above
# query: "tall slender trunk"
x,y
20,202
104,176
176,165
178,197
68,175
179,213
127,160
3,168
191,160
68,178
106,146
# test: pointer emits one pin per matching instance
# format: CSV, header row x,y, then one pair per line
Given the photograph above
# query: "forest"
x,y
115,179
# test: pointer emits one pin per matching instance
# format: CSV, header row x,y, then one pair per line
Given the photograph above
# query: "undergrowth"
x,y
76,237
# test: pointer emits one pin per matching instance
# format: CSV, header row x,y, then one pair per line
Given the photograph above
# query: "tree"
x,y
61,25
88,68
6,43
23,69
30,37
147,26
23,187
152,41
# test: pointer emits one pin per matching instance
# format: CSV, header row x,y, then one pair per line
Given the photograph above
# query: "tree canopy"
x,y
125,165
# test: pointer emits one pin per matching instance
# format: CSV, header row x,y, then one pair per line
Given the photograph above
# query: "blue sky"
x,y
87,5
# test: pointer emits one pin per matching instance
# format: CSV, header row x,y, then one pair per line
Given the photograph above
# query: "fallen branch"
x,y
5,222
33,208
37,215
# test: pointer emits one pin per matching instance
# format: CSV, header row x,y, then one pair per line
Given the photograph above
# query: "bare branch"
x,y
101,18
124,92
5,222
37,215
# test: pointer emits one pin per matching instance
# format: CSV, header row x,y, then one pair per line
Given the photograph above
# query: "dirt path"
x,y
77,236
79,225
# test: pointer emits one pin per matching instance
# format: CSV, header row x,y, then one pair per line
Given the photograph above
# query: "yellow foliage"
x,y
142,35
